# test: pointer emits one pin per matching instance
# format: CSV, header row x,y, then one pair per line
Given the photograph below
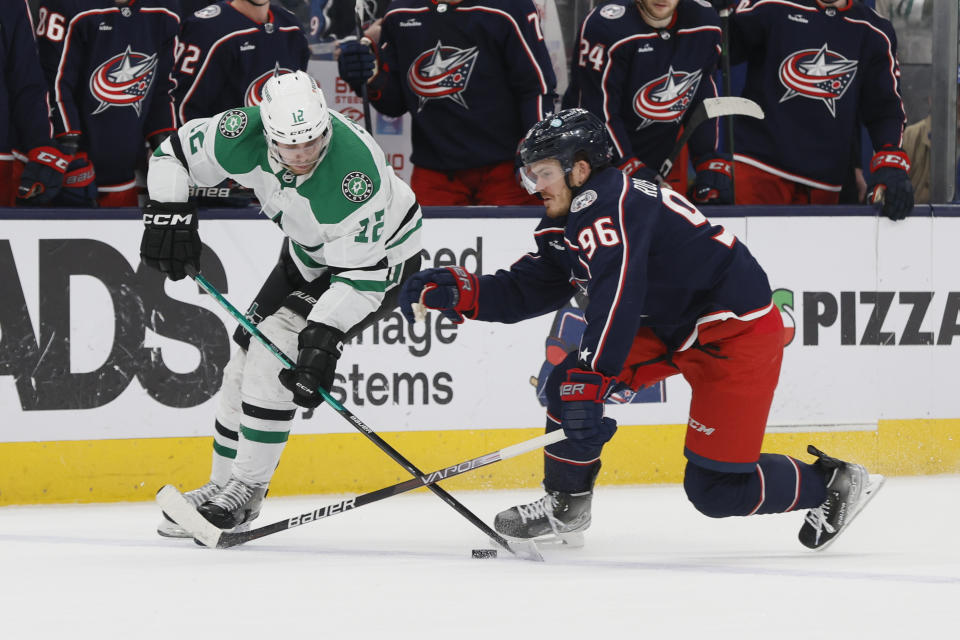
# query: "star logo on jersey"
x,y
123,80
232,123
665,99
254,93
357,186
818,74
442,72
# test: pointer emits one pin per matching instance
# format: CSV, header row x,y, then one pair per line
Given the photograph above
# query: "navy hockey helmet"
x,y
563,136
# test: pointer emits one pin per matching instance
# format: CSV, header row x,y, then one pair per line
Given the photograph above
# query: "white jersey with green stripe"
x,y
351,214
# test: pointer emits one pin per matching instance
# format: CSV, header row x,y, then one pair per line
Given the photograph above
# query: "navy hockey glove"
x,y
170,240
581,407
453,291
79,183
42,176
890,188
714,181
320,348
356,62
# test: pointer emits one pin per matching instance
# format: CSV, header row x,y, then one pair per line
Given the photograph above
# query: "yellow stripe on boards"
x,y
134,469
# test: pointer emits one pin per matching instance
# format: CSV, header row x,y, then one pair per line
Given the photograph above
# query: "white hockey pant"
x,y
254,411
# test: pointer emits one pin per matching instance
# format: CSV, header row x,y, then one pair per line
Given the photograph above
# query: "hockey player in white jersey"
x,y
353,235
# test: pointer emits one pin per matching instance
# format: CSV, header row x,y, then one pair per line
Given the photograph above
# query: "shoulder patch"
x,y
612,11
583,201
232,123
209,11
357,186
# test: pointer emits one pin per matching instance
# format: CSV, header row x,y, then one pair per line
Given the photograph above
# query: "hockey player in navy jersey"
x,y
31,168
669,294
474,76
818,68
643,66
108,64
229,50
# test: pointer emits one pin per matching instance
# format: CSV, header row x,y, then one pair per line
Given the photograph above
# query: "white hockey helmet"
x,y
294,111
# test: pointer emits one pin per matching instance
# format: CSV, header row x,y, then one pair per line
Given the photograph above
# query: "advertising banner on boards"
x,y
94,345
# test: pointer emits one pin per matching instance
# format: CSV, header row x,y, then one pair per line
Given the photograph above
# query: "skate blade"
x,y
179,509
525,550
874,484
573,540
173,532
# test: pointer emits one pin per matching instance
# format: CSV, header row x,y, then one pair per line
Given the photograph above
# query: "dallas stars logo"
x,y
818,74
232,123
357,186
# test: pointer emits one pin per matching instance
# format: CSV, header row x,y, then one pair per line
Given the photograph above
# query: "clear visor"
x,y
300,155
303,156
542,175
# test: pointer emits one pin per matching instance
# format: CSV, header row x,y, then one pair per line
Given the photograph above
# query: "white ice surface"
x,y
401,568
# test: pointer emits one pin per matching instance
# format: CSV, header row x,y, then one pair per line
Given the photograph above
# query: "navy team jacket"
x,y
475,76
109,71
645,256
23,89
817,73
645,82
227,58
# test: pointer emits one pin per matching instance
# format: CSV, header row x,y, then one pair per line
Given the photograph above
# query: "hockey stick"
x,y
708,109
727,90
527,553
359,13
185,514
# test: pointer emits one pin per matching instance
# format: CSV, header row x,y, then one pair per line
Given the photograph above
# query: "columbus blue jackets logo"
x,y
254,93
442,72
818,74
665,99
123,80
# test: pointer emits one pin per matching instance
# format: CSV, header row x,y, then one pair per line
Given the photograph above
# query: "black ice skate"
x,y
849,488
236,504
170,529
561,516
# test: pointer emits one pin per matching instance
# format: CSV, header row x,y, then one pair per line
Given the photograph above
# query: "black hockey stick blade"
x,y
707,110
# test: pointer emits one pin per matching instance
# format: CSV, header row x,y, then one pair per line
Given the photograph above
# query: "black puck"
x,y
483,553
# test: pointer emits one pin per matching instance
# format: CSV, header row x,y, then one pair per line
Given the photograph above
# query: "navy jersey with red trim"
x,y
475,76
227,58
109,71
817,73
645,256
644,82
23,90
